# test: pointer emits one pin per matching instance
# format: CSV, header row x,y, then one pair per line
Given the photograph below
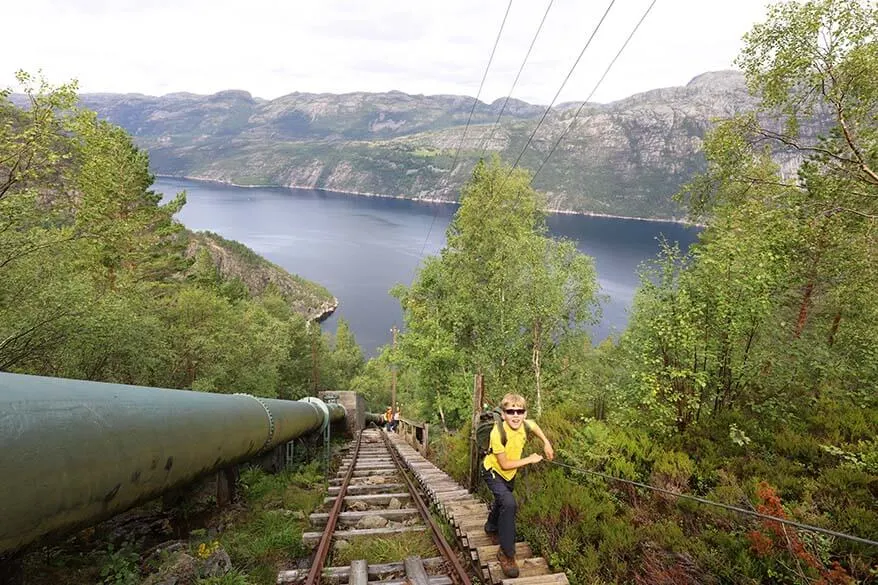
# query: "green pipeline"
x,y
73,453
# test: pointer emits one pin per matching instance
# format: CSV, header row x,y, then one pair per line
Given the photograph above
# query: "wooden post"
x,y
393,330
359,573
226,483
426,439
478,396
315,372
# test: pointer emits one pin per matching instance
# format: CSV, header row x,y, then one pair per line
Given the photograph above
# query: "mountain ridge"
x,y
625,158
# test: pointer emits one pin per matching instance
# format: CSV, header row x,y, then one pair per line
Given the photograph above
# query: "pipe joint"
x,y
271,425
320,406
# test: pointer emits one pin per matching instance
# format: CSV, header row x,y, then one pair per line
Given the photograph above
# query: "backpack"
x,y
487,421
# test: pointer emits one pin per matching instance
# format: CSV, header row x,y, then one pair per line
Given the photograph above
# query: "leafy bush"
x,y
119,566
451,452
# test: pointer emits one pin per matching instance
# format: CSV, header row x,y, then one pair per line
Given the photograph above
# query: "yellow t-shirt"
x,y
514,446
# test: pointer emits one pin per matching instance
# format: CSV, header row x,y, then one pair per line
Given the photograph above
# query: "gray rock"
x,y
394,504
372,522
181,570
217,564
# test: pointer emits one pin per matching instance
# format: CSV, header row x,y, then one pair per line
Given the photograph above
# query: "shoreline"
x,y
423,200
327,312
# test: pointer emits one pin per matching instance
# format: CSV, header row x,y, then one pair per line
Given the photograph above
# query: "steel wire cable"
x,y
517,76
560,89
481,86
593,90
462,138
728,507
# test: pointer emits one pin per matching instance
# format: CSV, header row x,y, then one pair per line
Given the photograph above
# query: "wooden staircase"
x,y
468,516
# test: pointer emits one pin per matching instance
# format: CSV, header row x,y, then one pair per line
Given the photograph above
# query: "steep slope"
x,y
234,260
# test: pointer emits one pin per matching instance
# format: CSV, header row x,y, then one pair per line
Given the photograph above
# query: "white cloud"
x,y
272,47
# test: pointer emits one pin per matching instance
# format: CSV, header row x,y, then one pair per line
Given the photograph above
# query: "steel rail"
x,y
326,540
459,575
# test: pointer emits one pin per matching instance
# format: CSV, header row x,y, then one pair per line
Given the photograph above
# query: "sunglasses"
x,y
511,411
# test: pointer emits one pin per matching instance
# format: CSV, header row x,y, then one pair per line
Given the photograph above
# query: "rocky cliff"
x,y
624,158
233,261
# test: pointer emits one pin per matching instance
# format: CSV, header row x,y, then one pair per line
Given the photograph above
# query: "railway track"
x,y
384,489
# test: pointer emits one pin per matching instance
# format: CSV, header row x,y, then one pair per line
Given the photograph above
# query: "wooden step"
x,y
447,491
348,518
358,572
378,488
473,524
387,471
477,538
550,579
454,497
466,508
372,499
527,567
362,480
312,538
337,575
415,572
435,580
489,553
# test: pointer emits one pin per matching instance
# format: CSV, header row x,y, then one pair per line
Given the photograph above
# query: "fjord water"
x,y
358,247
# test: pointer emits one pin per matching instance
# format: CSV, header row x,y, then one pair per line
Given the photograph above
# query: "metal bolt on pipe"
x,y
73,453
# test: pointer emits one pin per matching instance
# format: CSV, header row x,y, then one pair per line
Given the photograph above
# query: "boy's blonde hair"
x,y
513,400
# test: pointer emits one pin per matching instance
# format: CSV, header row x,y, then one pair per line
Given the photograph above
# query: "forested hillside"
x,y
98,281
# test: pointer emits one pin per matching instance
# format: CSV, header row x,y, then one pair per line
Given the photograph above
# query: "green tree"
x,y
776,304
500,294
128,236
374,380
38,297
296,367
346,360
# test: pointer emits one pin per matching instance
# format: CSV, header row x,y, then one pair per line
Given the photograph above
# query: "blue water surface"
x,y
358,247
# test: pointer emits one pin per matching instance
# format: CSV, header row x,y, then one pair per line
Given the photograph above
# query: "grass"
x,y
387,549
268,533
233,577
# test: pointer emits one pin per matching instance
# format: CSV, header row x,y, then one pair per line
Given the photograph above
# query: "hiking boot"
x,y
507,564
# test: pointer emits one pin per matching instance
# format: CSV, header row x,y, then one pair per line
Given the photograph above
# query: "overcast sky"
x,y
275,47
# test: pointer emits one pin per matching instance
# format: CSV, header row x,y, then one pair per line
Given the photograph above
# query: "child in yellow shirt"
x,y
499,469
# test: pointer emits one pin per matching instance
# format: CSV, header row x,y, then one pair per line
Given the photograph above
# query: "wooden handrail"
x,y
416,434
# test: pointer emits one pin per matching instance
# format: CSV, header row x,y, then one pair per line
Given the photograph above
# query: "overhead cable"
x,y
593,90
514,83
472,111
481,86
560,89
737,509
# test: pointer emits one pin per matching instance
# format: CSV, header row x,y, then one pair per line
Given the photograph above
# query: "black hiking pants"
x,y
502,517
